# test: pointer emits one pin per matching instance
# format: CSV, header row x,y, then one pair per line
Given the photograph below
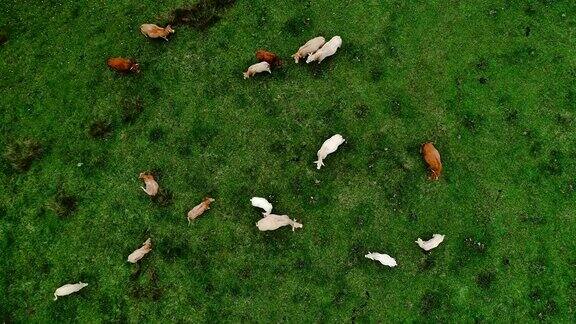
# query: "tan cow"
x,y
154,31
199,209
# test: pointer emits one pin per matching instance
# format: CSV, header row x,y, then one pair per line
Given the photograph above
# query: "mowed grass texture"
x,y
492,83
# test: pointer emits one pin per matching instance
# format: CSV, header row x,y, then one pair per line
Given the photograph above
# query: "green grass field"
x,y
491,82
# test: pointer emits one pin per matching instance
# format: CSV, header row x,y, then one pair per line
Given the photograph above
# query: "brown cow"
x,y
271,58
432,158
121,64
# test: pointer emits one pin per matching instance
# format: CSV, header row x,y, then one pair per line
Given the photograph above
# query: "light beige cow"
x,y
272,222
310,47
151,184
69,289
199,209
262,203
328,49
431,243
154,31
141,252
329,146
385,259
257,68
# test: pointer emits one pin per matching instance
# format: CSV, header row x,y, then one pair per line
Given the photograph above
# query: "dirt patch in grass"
x,y
202,15
100,129
64,204
20,154
131,109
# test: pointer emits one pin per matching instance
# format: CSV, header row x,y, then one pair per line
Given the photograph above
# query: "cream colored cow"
x,y
141,252
310,47
272,222
69,289
329,146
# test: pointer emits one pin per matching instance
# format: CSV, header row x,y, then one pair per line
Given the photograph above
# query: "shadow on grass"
x,y
202,15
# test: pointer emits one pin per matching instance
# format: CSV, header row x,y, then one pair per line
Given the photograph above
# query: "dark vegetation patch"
x,y
361,111
485,279
156,135
529,10
533,219
356,52
163,198
3,37
202,134
527,31
483,80
431,302
63,204
202,15
472,121
318,71
388,41
396,107
149,289
511,117
92,160
521,55
173,249
100,128
427,262
482,64
553,166
564,119
297,25
376,74
21,153
474,246
543,305
131,109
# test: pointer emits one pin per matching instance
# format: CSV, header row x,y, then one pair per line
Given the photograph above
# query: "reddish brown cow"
x,y
271,58
121,64
432,158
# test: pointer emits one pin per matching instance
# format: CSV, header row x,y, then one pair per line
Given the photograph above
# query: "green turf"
x,y
491,82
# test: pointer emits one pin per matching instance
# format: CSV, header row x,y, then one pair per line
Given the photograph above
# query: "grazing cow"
x,y
141,252
257,68
385,259
329,146
431,243
432,158
151,184
120,64
262,203
271,58
271,222
154,31
327,50
199,209
69,289
310,47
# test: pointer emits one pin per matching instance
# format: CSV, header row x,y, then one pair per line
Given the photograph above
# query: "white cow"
x,y
271,222
257,68
327,50
431,243
141,252
69,289
262,203
329,146
385,259
310,47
